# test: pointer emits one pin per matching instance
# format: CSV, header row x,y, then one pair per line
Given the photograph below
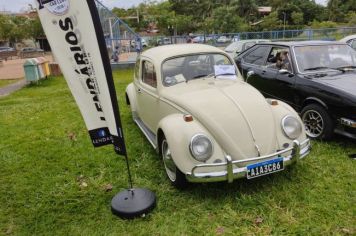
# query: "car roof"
x,y
253,40
302,43
347,38
161,53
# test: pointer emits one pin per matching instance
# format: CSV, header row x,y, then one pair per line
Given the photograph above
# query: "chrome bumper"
x,y
298,151
348,122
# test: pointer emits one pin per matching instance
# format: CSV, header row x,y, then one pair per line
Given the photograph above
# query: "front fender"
x,y
279,112
178,134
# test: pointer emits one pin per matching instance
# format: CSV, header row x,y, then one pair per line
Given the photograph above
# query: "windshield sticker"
x,y
224,70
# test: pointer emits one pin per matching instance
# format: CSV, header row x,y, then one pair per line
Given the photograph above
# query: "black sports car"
x,y
316,78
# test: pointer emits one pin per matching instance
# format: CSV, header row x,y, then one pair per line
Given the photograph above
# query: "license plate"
x,y
264,168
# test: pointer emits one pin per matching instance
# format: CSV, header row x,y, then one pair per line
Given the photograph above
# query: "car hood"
x,y
234,113
345,81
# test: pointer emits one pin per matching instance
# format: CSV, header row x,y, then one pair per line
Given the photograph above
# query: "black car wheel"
x,y
176,177
318,123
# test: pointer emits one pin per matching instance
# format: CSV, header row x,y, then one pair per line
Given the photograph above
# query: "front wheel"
x,y
318,123
176,177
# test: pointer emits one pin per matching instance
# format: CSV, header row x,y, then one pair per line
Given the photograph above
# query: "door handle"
x,y
139,90
250,73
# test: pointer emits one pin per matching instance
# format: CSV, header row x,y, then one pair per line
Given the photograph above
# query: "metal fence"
x,y
123,43
222,40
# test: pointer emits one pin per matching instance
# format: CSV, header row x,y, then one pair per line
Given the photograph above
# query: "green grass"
x,y
46,155
5,82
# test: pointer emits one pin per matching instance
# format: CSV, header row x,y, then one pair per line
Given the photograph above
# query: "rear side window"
x,y
149,74
353,44
256,56
137,69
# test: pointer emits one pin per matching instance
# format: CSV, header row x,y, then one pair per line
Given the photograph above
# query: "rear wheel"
x,y
318,123
176,177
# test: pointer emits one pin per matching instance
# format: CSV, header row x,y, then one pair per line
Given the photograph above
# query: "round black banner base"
x,y
133,203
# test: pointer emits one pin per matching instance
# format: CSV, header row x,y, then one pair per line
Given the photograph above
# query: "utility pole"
x,y
284,23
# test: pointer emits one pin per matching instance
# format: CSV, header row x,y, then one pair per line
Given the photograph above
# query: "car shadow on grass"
x,y
291,177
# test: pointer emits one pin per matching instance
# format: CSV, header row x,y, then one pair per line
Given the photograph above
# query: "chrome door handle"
x,y
250,73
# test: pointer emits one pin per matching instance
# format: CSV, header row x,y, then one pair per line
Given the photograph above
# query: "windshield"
x,y
324,57
185,68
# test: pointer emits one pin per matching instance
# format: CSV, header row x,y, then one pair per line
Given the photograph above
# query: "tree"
x,y
352,17
297,18
34,29
245,8
13,28
335,11
271,22
5,27
226,20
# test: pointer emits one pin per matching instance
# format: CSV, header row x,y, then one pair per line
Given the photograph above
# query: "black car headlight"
x,y
201,147
291,126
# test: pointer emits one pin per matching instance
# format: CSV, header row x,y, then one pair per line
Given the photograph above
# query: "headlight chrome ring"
x,y
201,147
291,127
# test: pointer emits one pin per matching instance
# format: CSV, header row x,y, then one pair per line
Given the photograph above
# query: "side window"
x,y
137,69
353,44
149,74
279,58
256,56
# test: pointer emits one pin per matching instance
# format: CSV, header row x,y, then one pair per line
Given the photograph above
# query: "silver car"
x,y
237,47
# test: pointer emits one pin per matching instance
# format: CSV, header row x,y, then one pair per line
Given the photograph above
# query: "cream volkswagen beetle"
x,y
207,124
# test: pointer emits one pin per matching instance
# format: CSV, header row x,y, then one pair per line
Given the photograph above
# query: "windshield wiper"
x,y
199,76
318,68
225,74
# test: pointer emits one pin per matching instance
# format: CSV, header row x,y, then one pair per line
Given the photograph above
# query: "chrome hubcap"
x,y
168,161
314,123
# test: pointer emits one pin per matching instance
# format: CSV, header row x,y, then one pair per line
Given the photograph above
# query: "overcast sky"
x,y
22,5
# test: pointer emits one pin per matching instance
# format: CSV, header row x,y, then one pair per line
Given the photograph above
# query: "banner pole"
x,y
128,172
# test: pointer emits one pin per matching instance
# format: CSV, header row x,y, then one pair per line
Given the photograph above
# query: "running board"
x,y
147,132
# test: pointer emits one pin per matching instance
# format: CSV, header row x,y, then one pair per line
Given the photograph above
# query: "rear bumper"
x,y
347,127
297,151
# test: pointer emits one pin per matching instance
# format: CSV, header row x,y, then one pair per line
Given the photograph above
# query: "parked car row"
x,y
7,49
213,119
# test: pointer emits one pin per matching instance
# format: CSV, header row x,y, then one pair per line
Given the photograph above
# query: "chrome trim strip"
x,y
348,122
144,131
299,151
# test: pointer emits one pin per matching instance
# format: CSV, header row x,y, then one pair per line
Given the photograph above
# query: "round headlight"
x,y
291,126
201,147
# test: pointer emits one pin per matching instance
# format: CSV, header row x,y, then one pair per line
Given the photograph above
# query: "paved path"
x,y
13,69
12,88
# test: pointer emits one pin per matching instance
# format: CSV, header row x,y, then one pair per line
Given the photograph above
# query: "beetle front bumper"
x,y
297,151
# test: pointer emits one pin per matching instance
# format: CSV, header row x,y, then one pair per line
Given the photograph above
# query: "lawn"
x,y
5,82
53,182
